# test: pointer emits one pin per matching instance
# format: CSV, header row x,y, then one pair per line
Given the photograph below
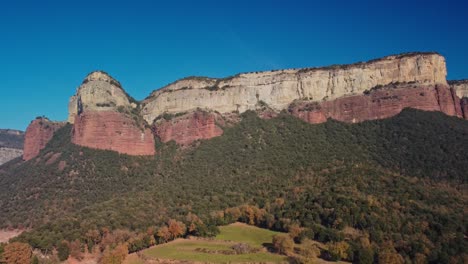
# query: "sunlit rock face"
x,y
111,130
37,135
278,89
98,92
105,117
189,127
461,91
381,103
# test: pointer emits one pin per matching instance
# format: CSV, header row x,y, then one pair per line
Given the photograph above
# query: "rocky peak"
x,y
37,135
101,76
99,92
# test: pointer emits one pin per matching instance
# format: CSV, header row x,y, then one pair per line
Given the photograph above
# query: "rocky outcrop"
x,y
99,92
105,117
278,89
189,127
194,108
111,130
38,133
461,91
380,103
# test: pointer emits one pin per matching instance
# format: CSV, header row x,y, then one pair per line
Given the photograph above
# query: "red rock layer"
x,y
379,104
464,107
189,127
112,131
38,133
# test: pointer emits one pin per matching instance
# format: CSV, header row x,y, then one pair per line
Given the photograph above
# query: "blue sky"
x,y
48,47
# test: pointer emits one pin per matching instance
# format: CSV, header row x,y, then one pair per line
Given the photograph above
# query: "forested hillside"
x,y
398,182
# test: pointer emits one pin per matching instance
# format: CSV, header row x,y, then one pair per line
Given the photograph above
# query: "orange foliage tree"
x,y
176,228
115,256
17,253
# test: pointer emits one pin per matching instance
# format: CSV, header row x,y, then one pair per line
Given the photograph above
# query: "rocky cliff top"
x,y
279,88
99,92
461,87
247,91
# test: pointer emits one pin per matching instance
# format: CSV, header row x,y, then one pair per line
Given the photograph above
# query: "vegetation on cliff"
x,y
384,187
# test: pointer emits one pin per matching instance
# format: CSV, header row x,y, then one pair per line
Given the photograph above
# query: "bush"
x,y
283,244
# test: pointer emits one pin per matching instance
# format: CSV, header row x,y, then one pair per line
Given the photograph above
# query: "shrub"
x,y
283,244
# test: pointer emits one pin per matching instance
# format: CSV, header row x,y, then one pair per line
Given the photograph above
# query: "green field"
x,y
251,235
184,249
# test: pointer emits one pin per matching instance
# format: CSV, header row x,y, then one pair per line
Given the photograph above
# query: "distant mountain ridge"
x,y
11,144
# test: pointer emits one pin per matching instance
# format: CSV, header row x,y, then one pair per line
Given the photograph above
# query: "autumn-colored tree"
x,y
118,236
388,254
283,244
338,250
176,228
234,213
309,249
114,256
294,230
193,221
164,234
279,202
17,253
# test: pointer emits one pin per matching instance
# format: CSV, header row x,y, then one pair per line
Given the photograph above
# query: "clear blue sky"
x,y
48,47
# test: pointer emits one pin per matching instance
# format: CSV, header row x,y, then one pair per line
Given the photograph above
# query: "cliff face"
x,y
104,117
112,131
38,133
378,104
98,92
461,91
189,127
279,88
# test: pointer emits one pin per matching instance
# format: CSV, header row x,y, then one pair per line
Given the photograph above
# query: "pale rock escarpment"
x,y
461,90
98,92
37,135
278,89
194,108
460,87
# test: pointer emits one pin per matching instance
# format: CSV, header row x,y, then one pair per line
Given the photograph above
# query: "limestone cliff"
x,y
279,88
105,117
194,108
460,87
37,135
98,92
461,91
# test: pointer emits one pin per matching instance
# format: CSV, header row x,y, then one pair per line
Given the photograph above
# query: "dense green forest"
x,y
399,181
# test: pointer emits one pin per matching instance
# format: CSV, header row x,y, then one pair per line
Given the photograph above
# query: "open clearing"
x,y
191,249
